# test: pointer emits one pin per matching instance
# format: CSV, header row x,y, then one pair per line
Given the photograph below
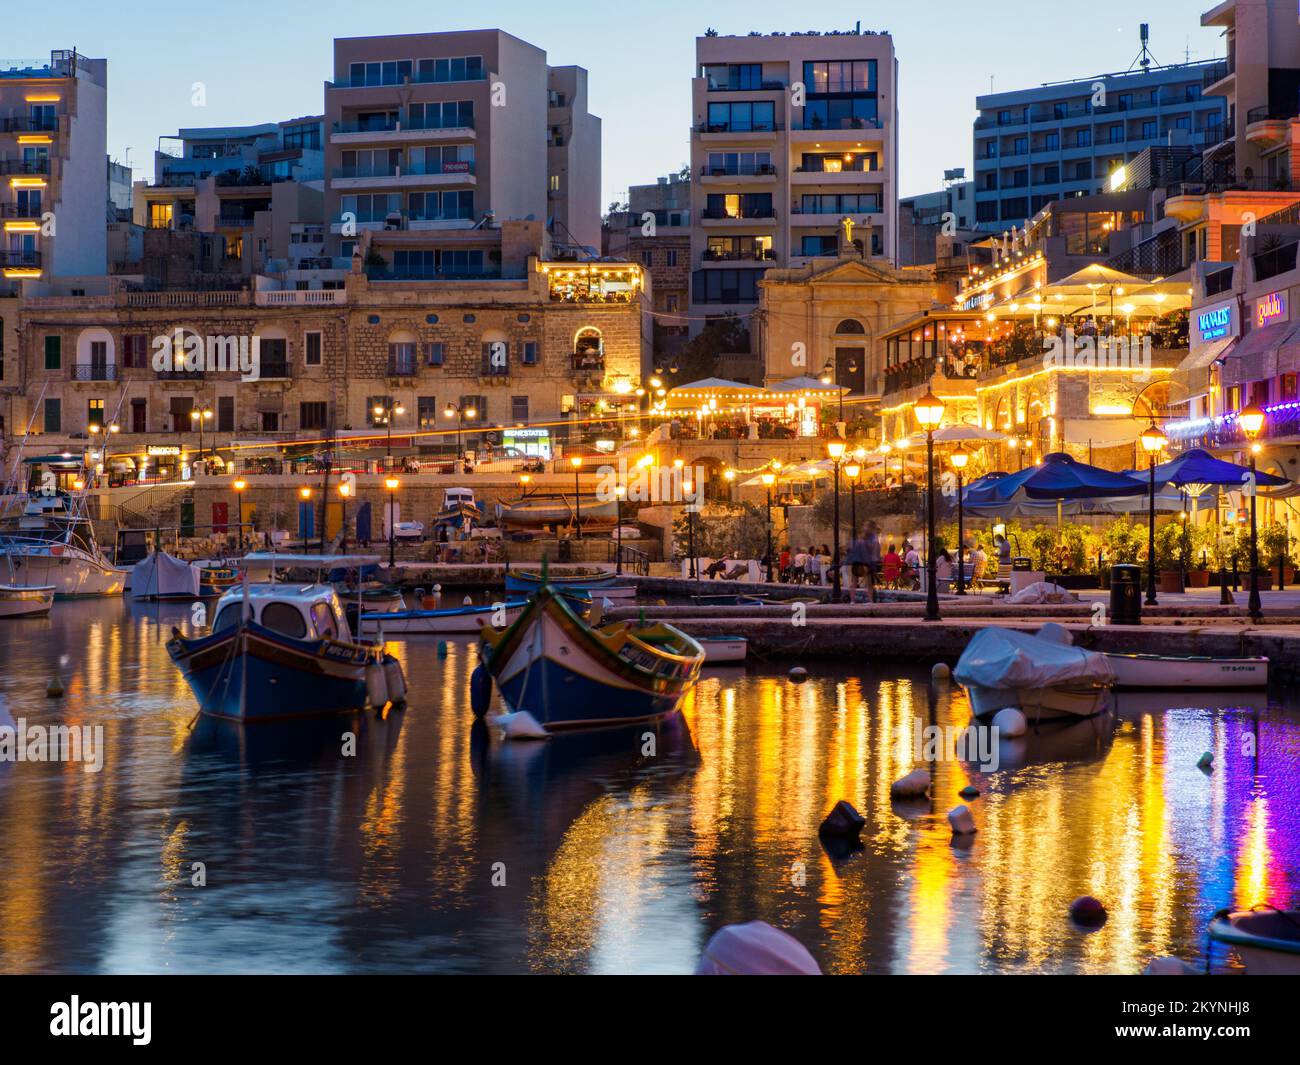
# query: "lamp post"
x,y
1251,420
929,413
239,485
198,416
769,479
853,471
836,451
386,411
576,463
959,458
692,570
620,490
391,483
462,415
345,490
525,479
1152,442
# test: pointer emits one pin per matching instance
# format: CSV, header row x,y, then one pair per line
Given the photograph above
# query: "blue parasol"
x,y
1197,466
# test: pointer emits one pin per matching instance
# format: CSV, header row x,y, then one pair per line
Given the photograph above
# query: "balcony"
x,y
272,369
234,222
721,216
458,173
32,125
1274,261
20,260
180,375
747,129
588,362
766,85
19,210
360,133
401,365
24,166
730,255
387,273
1268,127
1216,72
817,124
760,171
488,368
94,371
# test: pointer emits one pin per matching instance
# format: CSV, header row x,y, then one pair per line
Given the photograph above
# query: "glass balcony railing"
x,y
394,126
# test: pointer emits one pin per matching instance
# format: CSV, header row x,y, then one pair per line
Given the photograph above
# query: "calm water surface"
x,y
613,861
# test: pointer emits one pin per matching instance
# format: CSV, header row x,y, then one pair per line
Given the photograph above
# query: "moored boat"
x,y
538,511
1042,677
567,674
1267,940
22,602
1162,672
215,579
458,620
283,651
459,511
599,586
50,545
719,649
162,576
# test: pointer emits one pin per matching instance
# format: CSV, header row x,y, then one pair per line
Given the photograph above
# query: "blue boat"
x,y
460,620
604,585
284,651
567,674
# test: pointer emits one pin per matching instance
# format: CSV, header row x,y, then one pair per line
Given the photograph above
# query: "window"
x,y
312,415
53,352
53,416
324,621
95,412
433,353
449,114
670,257
747,117
519,409
991,181
1288,386
426,412
140,416
839,76
1125,102
460,68
306,136
478,404
1083,138
284,619
1020,146
1051,174
528,356
270,421
1149,129
401,359
1083,170
225,414
647,258
990,149
1115,133
1052,141
726,286
380,402
160,216
311,349
495,357
273,356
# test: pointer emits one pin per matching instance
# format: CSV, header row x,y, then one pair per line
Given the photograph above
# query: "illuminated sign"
x,y
977,302
1271,308
1215,322
157,450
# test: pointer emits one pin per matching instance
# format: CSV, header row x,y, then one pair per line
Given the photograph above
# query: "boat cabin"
x,y
299,611
457,497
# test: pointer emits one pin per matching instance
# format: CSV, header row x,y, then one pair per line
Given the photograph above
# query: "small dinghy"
x,y
460,620
602,585
19,602
1044,678
1157,671
1267,940
567,674
719,649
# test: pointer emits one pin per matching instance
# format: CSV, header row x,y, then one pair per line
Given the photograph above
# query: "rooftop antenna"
x,y
1144,58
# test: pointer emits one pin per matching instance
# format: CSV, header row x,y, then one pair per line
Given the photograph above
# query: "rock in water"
x,y
798,675
969,792
912,786
1206,761
843,822
1087,911
1009,721
940,671
963,824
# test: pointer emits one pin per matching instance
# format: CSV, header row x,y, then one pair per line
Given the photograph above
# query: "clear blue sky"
x,y
267,59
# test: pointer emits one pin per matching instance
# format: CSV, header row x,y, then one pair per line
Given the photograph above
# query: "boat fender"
x,y
480,690
467,601
1206,761
940,671
396,681
843,822
969,792
912,786
1168,966
442,648
1010,721
521,726
54,690
1088,911
961,821
376,686
798,675
429,602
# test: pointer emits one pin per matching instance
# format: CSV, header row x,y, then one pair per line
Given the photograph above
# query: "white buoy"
x,y
1168,966
940,671
798,675
1009,721
396,681
1206,761
914,785
376,686
961,821
521,726
467,601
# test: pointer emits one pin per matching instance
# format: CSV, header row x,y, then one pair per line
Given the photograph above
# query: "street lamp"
x,y
391,484
692,570
1251,420
729,475
853,471
386,411
836,451
769,479
576,463
198,416
461,414
929,413
525,479
1153,440
959,458
620,490
345,490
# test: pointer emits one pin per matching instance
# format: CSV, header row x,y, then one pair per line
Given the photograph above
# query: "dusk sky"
x,y
262,61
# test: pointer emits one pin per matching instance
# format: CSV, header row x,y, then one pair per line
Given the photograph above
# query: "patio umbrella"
x,y
1198,467
960,434
1168,501
1061,477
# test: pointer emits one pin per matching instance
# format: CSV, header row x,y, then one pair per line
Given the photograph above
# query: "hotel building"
x,y
431,136
791,133
53,165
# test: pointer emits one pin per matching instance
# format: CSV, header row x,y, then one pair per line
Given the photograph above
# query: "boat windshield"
x,y
33,528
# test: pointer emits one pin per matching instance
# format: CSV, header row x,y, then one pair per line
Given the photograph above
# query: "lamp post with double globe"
x,y
929,413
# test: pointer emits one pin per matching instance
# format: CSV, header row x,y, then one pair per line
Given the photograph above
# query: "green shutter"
x,y
53,352
53,416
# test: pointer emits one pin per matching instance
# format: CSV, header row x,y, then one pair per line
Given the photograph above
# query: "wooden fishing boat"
x,y
567,674
536,511
17,601
283,651
216,579
1267,940
1161,672
720,649
459,511
460,620
598,586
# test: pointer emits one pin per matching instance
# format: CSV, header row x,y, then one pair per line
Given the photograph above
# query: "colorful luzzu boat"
x,y
566,674
283,651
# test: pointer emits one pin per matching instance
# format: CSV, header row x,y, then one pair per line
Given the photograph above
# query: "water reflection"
x,y
421,842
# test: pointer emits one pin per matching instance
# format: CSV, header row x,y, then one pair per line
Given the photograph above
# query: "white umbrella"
x,y
956,434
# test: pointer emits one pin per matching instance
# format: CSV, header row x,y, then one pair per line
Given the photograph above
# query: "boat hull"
x,y
69,573
718,649
18,602
466,620
1060,702
1266,941
1154,671
260,675
606,586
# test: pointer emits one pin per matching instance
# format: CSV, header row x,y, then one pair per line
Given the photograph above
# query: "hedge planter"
x,y
1171,580
1198,578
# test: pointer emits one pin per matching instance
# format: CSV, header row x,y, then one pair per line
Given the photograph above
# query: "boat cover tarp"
x,y
1008,658
161,574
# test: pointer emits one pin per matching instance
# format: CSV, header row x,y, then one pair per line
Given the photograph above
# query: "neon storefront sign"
x,y
1215,322
1271,308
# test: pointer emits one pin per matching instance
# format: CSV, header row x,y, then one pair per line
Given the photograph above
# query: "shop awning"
x,y
1256,355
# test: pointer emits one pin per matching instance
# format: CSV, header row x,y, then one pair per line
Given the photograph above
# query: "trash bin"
x,y
1022,564
1125,595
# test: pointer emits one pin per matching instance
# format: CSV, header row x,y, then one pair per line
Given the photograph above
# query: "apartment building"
x,y
1033,146
791,134
53,156
922,219
436,135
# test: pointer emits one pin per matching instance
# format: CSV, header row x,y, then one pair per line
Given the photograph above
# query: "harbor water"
x,y
419,842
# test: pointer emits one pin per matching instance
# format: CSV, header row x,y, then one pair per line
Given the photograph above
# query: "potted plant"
x,y
1265,573
1169,556
1201,540
1275,546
